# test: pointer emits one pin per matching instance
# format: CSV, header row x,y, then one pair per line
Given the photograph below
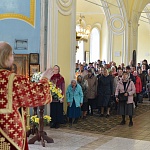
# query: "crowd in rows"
x,y
99,84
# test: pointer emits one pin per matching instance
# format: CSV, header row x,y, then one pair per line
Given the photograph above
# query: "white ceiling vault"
x,y
145,15
93,6
89,7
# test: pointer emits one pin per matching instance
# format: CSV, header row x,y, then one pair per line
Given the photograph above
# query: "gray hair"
x,y
74,80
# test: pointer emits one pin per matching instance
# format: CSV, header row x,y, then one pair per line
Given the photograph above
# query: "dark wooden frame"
x,y
35,67
21,64
34,58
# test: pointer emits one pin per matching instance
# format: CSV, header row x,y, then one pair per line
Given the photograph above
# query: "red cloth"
x,y
57,79
6,142
17,91
26,145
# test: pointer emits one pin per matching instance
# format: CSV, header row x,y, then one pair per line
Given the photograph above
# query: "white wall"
x,y
143,51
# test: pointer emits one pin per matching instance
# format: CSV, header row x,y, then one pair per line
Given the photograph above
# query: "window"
x,y
80,52
94,45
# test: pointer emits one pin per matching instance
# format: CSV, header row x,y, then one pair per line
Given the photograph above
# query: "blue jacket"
x,y
77,95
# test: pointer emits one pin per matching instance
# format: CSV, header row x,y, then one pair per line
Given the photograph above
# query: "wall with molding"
x,y
21,20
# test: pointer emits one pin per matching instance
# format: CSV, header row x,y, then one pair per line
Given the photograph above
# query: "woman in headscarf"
x,y
56,107
74,96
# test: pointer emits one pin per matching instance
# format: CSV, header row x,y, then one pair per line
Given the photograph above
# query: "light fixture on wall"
x,y
82,31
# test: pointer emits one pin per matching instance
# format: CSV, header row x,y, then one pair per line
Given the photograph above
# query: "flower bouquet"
x,y
34,120
55,92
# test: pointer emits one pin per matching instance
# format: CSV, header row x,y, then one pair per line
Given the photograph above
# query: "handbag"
x,y
121,96
140,97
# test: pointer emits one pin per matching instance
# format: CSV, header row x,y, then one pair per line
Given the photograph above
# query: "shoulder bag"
x,y
121,96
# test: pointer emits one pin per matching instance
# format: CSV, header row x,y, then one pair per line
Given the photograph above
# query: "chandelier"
x,y
82,31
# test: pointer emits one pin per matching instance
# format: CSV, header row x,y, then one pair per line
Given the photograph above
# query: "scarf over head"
x,y
57,79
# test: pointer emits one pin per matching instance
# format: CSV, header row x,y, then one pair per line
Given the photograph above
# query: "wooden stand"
x,y
41,135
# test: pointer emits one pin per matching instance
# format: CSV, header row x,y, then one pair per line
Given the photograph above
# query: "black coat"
x,y
105,90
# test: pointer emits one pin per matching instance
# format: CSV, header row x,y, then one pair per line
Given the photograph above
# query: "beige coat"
x,y
92,87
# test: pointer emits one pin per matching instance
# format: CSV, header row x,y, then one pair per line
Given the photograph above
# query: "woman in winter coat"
x,y
84,85
74,96
138,86
105,91
92,89
125,108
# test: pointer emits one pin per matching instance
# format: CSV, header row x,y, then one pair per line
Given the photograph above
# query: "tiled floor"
x,y
117,138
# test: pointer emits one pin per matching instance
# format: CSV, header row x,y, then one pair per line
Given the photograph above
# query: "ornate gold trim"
x,y
8,109
3,144
30,20
9,139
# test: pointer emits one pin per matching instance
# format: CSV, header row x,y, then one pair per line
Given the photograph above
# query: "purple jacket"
x,y
131,90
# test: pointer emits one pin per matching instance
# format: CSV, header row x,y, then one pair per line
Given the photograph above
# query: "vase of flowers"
x,y
55,91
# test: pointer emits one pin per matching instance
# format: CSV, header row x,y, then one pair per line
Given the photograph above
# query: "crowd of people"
x,y
97,85
104,83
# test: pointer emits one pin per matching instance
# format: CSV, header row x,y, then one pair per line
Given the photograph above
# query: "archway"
x,y
143,51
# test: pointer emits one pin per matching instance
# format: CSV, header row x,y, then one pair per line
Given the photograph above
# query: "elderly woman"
x,y
56,107
74,96
127,87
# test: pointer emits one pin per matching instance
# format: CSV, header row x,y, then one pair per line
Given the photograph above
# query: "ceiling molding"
x,y
90,13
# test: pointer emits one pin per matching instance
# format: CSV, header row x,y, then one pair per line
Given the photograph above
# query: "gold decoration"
x,y
9,96
30,20
3,144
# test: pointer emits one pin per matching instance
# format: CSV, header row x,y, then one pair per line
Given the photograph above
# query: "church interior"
x,y
45,33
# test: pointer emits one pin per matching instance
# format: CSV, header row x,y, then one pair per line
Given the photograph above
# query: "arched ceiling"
x,y
92,11
89,7
145,14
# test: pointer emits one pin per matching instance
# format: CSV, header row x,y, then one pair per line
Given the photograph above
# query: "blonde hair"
x,y
5,51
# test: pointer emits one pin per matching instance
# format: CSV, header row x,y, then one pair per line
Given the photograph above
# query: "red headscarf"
x,y
57,79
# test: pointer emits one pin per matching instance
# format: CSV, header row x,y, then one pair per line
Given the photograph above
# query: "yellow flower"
x,y
60,91
33,118
53,90
37,120
59,95
56,91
